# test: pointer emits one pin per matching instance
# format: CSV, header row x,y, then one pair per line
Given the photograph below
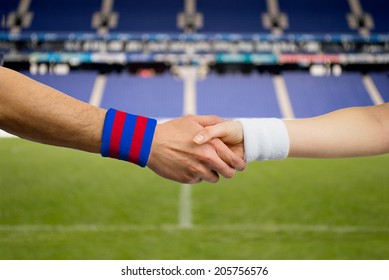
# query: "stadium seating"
x,y
321,16
63,15
148,16
381,80
232,16
6,8
311,96
77,84
229,95
160,96
378,9
237,95
228,16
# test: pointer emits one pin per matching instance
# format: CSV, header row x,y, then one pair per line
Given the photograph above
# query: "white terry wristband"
x,y
265,139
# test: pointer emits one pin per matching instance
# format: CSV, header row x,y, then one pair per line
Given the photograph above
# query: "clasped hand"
x,y
192,148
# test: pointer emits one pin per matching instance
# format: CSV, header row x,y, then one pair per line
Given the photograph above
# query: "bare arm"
x,y
357,131
40,113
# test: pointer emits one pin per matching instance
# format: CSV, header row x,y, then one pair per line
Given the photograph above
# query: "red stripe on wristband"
x,y
137,139
116,136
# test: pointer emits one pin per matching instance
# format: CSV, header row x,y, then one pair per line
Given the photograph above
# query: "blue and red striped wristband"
x,y
127,137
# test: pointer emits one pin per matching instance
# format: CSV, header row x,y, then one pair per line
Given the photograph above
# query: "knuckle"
x,y
215,179
230,173
193,170
233,162
207,155
194,181
217,118
207,131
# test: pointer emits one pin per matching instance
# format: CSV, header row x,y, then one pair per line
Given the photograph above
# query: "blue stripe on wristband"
x,y
107,131
147,142
127,137
128,133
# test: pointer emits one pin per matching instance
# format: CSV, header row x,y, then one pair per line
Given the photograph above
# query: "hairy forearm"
x,y
40,113
358,131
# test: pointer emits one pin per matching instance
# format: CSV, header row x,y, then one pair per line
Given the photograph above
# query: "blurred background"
x,y
165,59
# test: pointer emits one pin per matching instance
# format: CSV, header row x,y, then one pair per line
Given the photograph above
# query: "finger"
x,y
207,120
209,176
228,156
195,181
214,162
208,133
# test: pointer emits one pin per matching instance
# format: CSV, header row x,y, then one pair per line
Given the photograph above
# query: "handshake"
x,y
189,149
193,148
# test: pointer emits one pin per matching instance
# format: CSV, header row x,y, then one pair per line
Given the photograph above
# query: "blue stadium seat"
x,y
311,96
230,16
6,7
379,10
319,16
159,97
78,84
381,80
237,95
148,16
63,15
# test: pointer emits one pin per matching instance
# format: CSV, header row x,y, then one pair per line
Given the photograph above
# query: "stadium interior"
x,y
221,35
165,59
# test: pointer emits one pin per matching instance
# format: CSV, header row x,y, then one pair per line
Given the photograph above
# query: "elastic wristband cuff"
x,y
127,137
265,139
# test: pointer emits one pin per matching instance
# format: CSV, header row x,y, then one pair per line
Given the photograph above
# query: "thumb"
x,y
210,132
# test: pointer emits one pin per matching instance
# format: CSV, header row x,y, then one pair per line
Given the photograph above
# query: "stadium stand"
x,y
237,95
229,95
222,16
6,8
63,15
9,14
160,96
321,16
78,84
245,16
378,9
139,17
311,96
381,80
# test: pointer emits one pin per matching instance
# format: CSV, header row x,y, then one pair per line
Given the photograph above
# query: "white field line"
x,y
98,90
372,90
283,97
271,228
185,206
189,77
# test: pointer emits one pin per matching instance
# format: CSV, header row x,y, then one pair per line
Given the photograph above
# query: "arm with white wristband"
x,y
265,139
350,132
262,138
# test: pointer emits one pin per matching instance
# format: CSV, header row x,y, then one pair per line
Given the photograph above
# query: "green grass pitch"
x,y
57,203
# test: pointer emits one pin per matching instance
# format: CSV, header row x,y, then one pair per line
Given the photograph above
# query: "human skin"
x,y
349,132
37,112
